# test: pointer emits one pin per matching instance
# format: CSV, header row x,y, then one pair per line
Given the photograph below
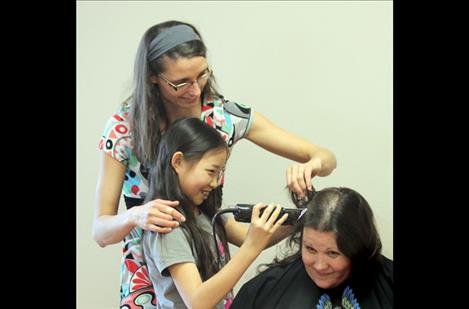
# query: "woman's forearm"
x,y
283,143
328,160
111,229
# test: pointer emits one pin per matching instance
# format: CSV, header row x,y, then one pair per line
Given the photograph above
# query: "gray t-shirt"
x,y
164,250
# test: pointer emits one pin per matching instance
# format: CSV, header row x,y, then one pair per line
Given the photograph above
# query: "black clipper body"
x,y
242,213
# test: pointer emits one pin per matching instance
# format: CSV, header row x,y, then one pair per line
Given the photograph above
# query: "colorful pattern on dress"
x,y
116,141
348,301
228,300
231,119
136,288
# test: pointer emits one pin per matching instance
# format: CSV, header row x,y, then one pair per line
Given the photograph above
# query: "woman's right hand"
x,y
157,215
263,226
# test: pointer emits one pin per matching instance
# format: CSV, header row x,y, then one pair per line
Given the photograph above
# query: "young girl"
x,y
183,264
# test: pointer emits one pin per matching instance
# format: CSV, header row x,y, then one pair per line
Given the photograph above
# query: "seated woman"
x,y
337,261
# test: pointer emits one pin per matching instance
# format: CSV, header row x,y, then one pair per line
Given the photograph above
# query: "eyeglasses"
x,y
186,85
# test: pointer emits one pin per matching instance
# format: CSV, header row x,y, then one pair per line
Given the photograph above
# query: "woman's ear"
x,y
153,78
176,161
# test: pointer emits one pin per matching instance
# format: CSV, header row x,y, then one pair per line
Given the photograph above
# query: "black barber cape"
x,y
289,286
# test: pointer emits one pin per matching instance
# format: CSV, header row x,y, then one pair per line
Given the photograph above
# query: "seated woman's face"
x,y
323,261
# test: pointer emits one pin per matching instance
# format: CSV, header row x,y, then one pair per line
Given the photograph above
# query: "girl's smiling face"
x,y
198,178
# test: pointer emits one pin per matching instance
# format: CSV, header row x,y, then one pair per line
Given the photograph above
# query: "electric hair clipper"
x,y
242,213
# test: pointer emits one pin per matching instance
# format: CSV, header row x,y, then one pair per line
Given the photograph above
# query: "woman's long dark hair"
x,y
347,214
193,138
147,112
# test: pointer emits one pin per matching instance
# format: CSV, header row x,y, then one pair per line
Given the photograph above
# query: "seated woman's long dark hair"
x,y
193,138
347,214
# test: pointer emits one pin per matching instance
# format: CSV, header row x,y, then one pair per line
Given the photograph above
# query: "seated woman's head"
x,y
339,236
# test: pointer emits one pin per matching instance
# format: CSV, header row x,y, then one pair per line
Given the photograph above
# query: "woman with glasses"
x,y
172,80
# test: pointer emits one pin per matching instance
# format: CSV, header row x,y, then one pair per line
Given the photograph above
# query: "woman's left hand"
x,y
299,176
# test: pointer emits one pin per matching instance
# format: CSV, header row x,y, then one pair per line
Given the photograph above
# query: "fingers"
x,y
295,180
163,222
312,168
256,210
299,176
264,217
269,217
263,225
173,213
166,210
276,211
159,229
160,216
164,214
307,177
279,222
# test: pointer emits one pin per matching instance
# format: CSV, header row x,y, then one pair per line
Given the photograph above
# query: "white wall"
x,y
322,70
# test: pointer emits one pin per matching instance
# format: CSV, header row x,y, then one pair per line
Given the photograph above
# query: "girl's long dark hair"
x,y
193,138
346,213
147,112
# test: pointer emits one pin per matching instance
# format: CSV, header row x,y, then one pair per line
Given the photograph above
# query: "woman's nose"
x,y
195,89
320,264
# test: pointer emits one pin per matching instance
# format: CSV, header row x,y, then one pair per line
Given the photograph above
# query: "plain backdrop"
x,y
322,70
